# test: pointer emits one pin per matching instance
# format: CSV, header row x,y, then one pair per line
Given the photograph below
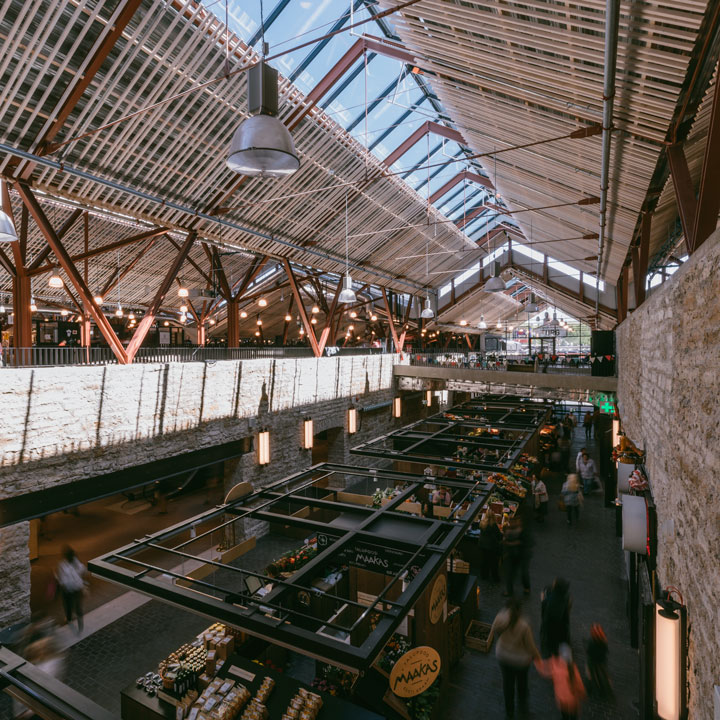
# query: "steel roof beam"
x,y
426,128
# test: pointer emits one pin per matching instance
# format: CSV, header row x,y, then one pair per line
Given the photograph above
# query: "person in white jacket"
x,y
70,576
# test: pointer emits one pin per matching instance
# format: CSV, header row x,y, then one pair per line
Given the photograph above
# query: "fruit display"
x,y
508,485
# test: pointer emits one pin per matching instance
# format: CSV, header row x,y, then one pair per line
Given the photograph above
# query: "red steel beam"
x,y
427,127
708,203
309,329
218,270
391,323
253,271
330,317
463,175
75,277
39,269
640,255
622,293
202,273
75,91
683,184
149,318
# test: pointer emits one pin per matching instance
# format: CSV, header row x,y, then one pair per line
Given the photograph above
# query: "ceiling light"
x,y
302,331
243,314
183,318
33,306
313,321
463,323
373,318
211,321
494,284
315,309
348,294
262,145
262,302
353,314
183,292
351,327
98,299
257,333
183,308
2,307
427,312
64,313
166,323
531,306
119,311
131,316
7,229
482,324
55,280
499,325
288,318
258,322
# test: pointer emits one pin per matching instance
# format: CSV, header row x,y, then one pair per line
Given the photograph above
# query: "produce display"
x,y
507,484
293,560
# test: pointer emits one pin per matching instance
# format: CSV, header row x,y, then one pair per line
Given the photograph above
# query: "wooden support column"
x,y
149,318
233,323
309,329
640,255
201,334
622,293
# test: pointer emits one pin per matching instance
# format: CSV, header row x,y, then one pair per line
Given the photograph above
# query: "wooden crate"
x,y
476,643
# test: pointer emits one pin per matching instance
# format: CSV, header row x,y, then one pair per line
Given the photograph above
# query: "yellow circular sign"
x,y
438,597
415,671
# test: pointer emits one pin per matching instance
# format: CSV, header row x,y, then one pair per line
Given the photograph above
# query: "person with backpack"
x,y
515,650
567,683
555,617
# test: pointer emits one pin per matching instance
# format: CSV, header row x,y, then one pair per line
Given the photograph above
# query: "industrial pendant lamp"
x,y
531,306
427,312
7,229
262,145
482,324
348,294
55,280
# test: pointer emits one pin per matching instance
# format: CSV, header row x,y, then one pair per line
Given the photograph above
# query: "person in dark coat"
x,y
516,554
490,544
555,614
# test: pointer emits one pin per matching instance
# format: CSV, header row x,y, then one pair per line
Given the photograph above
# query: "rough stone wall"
x,y
669,383
59,424
14,575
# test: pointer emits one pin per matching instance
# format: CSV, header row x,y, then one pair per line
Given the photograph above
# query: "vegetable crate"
x,y
479,636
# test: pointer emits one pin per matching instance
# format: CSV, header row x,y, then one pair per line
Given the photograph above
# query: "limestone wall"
x,y
669,384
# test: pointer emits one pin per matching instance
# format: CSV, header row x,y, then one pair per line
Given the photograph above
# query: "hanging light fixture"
x,y
315,310
55,280
302,331
98,299
482,324
64,312
119,311
373,318
258,322
131,316
427,311
33,306
166,323
348,294
531,306
288,318
211,321
183,308
2,307
495,283
7,228
257,333
313,321
499,325
183,318
463,323
262,302
353,314
243,314
262,145
183,291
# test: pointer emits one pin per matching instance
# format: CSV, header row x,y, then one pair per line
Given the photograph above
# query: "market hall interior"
x,y
308,312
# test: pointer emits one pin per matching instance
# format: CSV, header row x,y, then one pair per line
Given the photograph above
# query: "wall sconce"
x,y
635,524
616,432
352,421
670,623
308,434
428,397
263,447
397,407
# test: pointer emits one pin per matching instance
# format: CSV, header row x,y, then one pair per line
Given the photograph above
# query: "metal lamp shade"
x,y
427,312
494,284
348,294
482,324
55,281
263,146
7,229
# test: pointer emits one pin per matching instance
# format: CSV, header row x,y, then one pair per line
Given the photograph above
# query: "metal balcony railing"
x,y
59,356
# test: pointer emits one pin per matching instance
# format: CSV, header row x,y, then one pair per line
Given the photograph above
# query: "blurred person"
x,y
516,555
70,575
542,498
588,472
572,497
567,683
555,606
597,661
490,543
515,650
587,424
44,655
578,458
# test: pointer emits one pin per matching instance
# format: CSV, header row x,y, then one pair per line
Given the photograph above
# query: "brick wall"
x,y
669,382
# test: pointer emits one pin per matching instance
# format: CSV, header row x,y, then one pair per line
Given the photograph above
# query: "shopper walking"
x,y
490,545
516,554
567,683
555,616
597,662
588,472
515,650
571,497
541,496
587,424
70,576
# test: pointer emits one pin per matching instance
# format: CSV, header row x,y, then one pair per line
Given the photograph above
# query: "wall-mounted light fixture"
x,y
352,421
263,447
670,624
616,432
428,397
308,433
397,407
